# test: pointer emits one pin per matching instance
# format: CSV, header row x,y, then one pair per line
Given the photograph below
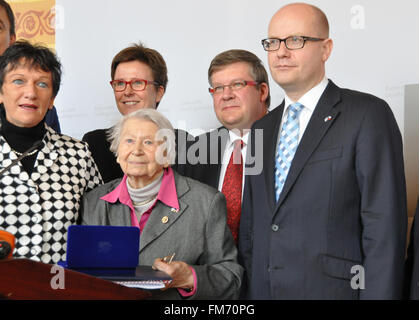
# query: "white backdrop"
x,y
376,51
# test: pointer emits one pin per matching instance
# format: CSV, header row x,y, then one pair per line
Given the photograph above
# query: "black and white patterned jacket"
x,y
39,209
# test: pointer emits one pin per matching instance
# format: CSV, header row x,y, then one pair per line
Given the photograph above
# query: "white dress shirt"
x,y
227,155
309,100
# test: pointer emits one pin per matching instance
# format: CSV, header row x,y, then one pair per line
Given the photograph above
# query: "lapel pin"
x,y
165,219
174,210
328,118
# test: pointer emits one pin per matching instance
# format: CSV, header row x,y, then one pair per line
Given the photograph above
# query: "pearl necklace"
x,y
21,153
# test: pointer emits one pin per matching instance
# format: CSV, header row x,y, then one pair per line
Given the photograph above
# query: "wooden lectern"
x,y
23,279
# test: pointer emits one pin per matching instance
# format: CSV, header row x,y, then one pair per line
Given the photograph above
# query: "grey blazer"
x,y
197,233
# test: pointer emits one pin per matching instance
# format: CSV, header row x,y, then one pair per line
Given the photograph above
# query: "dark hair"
x,y
257,70
152,58
10,16
34,56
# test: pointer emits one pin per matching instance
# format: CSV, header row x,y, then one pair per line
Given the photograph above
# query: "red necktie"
x,y
232,188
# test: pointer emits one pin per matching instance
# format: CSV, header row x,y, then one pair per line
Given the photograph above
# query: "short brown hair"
x,y
257,70
152,58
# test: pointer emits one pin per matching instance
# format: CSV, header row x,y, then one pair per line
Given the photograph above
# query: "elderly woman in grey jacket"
x,y
175,214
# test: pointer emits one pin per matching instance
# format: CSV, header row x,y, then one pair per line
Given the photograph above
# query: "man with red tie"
x,y
240,92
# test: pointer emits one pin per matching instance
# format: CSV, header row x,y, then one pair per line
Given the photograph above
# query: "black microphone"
x,y
7,244
36,145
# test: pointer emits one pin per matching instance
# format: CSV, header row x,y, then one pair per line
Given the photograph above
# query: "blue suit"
x,y
51,119
343,205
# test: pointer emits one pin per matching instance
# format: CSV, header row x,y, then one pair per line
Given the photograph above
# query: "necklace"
x,y
141,203
21,153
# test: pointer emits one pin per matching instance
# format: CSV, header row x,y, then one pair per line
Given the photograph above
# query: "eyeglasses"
x,y
136,84
236,85
291,42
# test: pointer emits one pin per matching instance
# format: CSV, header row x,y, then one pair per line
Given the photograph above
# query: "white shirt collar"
x,y
227,154
310,99
233,137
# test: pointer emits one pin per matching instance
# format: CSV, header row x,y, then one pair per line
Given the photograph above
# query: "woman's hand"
x,y
179,271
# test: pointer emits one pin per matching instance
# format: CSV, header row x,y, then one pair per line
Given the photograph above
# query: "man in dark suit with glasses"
x,y
240,93
326,218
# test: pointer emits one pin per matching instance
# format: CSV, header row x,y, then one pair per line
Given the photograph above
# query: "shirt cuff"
x,y
187,293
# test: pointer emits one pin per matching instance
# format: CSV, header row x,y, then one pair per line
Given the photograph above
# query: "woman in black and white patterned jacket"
x,y
39,194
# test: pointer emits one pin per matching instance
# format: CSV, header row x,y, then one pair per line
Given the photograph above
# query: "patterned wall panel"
x,y
35,20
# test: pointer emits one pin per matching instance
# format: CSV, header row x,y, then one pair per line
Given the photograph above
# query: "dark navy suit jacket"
x,y
412,261
343,205
51,118
206,154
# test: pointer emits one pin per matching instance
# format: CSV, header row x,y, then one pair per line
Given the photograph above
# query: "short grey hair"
x,y
165,133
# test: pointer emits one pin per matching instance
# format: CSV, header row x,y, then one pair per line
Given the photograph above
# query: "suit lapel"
x,y
163,217
270,134
44,160
47,155
6,155
216,146
322,118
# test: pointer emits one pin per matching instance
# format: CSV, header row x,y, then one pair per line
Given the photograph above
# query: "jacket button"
x,y
36,218
275,228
